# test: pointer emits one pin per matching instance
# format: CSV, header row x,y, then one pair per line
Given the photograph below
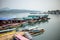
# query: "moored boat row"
x,y
11,24
6,23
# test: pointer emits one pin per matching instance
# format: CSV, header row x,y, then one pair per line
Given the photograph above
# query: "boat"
x,y
19,37
27,18
43,15
34,16
39,16
30,19
28,35
9,26
7,30
33,31
19,20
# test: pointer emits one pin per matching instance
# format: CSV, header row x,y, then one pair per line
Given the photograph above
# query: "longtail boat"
x,y
19,37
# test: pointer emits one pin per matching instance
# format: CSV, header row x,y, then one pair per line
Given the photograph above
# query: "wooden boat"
x,y
39,17
34,31
34,16
19,37
10,26
28,35
27,18
30,19
7,30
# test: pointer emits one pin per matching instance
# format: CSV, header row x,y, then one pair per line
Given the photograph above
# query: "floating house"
x,y
18,20
8,23
4,21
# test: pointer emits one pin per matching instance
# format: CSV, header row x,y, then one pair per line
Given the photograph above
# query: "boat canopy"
x,y
40,15
26,18
21,19
35,31
33,15
4,18
17,19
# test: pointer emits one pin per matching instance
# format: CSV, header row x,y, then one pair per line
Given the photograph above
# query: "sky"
x,y
40,5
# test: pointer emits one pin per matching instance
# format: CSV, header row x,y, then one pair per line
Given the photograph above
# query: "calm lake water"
x,y
51,27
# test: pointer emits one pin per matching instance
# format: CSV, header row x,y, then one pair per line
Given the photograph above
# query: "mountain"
x,y
7,10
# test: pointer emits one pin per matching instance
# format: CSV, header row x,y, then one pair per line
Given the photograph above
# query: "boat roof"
x,y
27,18
40,15
17,19
5,18
33,15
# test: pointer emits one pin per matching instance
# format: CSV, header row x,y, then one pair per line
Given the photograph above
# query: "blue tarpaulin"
x,y
4,18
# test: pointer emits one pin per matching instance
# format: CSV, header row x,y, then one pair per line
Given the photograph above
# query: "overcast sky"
x,y
42,5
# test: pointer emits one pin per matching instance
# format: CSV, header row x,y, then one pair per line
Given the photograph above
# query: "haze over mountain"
x,y
12,13
7,10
